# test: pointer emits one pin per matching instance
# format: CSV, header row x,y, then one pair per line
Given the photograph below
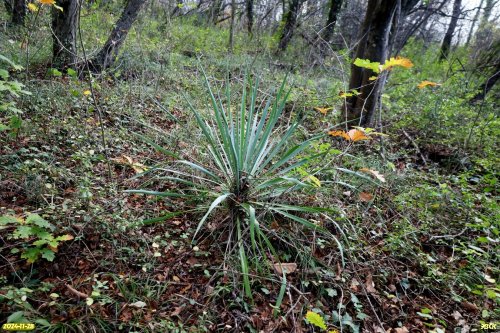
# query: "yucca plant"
x,y
249,171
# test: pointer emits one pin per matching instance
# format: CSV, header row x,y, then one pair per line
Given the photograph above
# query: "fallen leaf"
x,y
286,267
370,286
374,173
401,330
177,311
365,197
138,304
357,135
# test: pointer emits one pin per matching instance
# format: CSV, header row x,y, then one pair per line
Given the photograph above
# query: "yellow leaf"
x,y
32,7
315,319
426,83
398,61
314,180
87,92
374,173
47,2
372,78
357,135
322,110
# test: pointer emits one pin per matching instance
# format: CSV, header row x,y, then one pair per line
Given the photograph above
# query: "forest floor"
x,y
419,251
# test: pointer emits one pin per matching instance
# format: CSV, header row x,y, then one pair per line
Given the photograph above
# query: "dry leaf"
x,y
401,330
353,135
138,304
374,173
365,196
398,61
370,286
286,267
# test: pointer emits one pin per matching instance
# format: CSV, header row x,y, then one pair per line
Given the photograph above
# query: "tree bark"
x,y
333,13
18,12
374,39
108,54
446,45
487,85
215,11
290,19
64,27
249,9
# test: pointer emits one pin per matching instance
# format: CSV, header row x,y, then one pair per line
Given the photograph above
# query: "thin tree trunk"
x,y
374,46
488,8
446,46
290,19
108,54
249,8
473,24
231,27
177,9
18,12
64,27
333,13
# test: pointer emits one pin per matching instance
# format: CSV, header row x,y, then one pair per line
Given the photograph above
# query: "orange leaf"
x,y
426,83
342,134
357,135
47,2
365,197
374,173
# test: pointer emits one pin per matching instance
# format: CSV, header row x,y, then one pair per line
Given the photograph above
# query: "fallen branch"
x,y
76,292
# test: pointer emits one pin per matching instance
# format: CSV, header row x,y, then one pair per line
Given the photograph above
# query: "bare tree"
x,y
64,28
446,45
109,52
231,27
474,22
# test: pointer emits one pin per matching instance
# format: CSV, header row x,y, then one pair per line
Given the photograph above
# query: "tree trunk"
x,y
231,27
473,24
64,27
445,47
333,12
108,54
290,19
374,40
249,8
18,12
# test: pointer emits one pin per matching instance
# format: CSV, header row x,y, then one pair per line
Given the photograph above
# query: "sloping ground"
x,y
420,250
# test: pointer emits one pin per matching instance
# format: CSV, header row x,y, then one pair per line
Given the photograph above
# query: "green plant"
x,y
39,231
249,170
10,89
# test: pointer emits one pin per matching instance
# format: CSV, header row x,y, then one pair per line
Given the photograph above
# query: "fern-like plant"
x,y
249,171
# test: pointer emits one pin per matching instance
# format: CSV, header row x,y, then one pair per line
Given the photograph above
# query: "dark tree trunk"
x,y
64,27
290,19
490,59
374,40
108,54
445,47
474,22
249,8
18,12
177,9
8,5
333,13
